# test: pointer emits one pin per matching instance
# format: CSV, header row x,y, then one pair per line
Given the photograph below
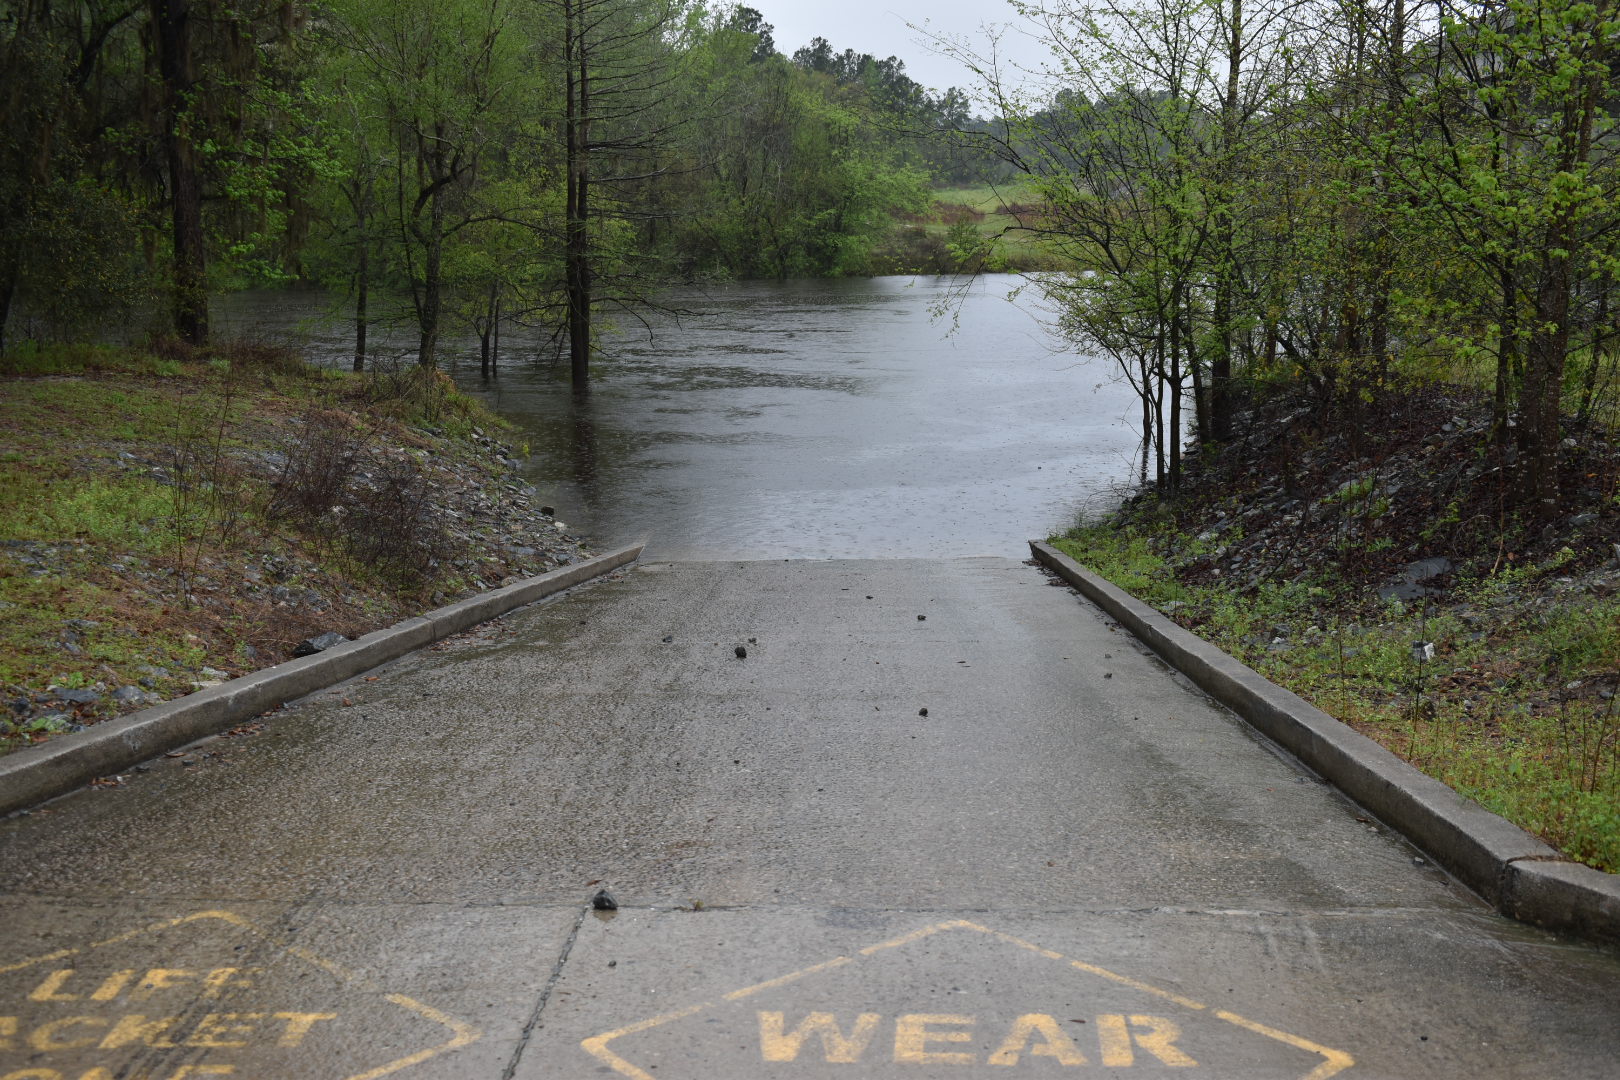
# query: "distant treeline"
x,y
529,160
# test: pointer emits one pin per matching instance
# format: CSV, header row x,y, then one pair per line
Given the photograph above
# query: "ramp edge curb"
x,y
37,773
1516,873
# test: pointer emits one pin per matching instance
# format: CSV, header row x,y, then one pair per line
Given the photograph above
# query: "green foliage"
x,y
428,149
800,178
1250,193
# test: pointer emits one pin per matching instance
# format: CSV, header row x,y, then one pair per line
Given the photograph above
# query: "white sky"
x,y
879,27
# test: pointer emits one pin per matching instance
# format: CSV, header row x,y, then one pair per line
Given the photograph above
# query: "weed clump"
x,y
368,502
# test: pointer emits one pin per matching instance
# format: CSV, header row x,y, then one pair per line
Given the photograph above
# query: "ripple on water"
x,y
748,433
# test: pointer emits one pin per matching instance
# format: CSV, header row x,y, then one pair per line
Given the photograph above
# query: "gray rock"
x,y
1406,590
1409,587
130,695
1424,569
311,646
78,697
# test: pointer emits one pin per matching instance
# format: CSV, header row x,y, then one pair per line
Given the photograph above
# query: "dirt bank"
x,y
172,519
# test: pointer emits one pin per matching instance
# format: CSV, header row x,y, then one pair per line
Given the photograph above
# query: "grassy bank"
x,y
981,229
1390,590
172,518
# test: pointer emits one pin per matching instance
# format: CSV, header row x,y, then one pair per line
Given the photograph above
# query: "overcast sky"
x,y
879,27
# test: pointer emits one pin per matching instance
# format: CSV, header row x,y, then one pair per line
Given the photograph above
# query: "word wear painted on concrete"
x,y
859,1014
918,1038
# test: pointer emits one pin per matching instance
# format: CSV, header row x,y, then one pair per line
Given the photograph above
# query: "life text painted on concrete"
x,y
207,995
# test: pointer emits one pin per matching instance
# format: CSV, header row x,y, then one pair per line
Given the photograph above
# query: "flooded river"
x,y
808,419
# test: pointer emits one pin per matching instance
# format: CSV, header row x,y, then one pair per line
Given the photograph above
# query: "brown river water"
x,y
802,419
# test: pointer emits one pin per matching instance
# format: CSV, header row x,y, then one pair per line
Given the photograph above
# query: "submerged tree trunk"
x,y
8,290
362,287
576,251
486,331
431,303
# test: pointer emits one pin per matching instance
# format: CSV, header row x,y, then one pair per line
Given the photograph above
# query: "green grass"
x,y
984,197
1490,715
35,359
128,512
36,610
99,532
1014,248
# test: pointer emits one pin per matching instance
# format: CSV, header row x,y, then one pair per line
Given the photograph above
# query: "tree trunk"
x,y
1507,351
486,328
1383,260
1541,396
576,250
1219,423
172,26
1173,390
362,287
1201,406
1156,401
8,290
432,304
1596,352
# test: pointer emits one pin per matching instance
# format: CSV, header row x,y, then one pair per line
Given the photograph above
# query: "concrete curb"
x,y
1518,874
36,773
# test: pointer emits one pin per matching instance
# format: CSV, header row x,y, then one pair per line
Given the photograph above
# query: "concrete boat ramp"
x,y
1072,864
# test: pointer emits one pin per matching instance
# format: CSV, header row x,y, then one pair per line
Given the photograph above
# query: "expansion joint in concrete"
x,y
545,993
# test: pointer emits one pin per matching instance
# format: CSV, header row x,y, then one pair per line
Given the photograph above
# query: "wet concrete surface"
x,y
1073,863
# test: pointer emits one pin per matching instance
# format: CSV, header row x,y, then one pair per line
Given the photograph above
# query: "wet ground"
x,y
1072,864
